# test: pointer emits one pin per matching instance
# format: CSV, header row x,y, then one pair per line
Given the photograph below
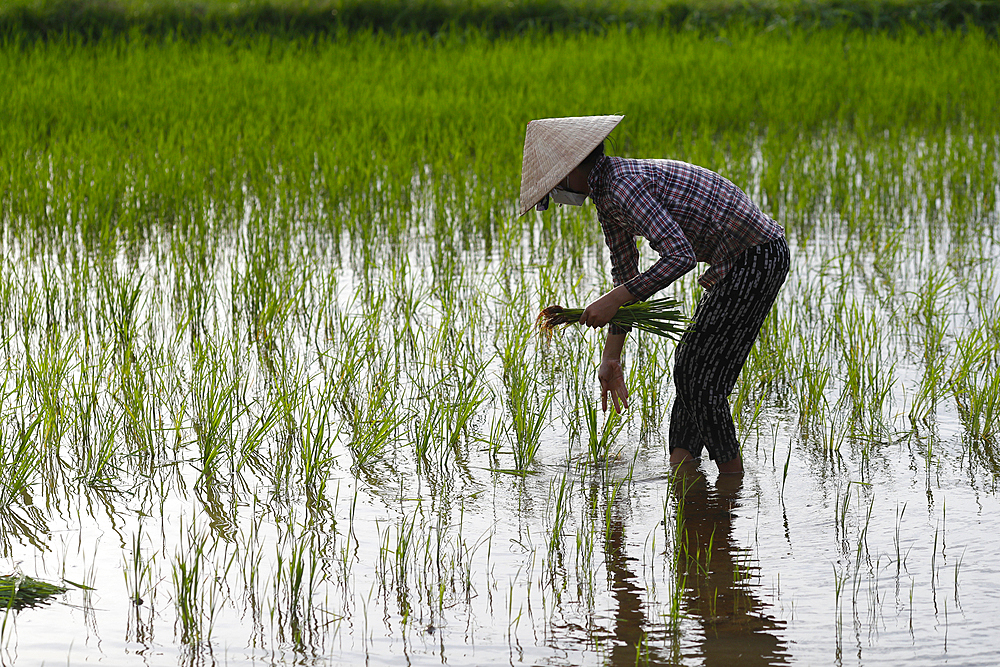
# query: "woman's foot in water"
x,y
683,457
732,466
680,456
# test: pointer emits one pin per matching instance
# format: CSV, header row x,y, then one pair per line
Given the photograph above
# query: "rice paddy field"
x,y
272,390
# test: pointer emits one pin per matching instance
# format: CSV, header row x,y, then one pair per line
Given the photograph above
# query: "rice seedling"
x,y
218,404
975,382
527,410
661,317
647,375
449,407
19,465
138,572
374,413
559,512
600,440
196,591
868,379
316,455
19,591
47,375
295,581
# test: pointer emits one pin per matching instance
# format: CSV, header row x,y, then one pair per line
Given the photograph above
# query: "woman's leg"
x,y
712,353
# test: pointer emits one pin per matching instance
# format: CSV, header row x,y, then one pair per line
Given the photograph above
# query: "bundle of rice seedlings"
x,y
662,317
18,591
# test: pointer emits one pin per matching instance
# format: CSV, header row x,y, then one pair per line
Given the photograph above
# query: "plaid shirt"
x,y
687,213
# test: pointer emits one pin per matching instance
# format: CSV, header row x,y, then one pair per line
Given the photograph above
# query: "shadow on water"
x,y
714,580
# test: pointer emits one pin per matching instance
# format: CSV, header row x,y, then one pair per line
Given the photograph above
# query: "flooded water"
x,y
700,569
339,484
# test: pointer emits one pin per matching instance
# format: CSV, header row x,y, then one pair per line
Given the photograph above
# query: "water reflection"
x,y
25,523
630,617
713,579
717,576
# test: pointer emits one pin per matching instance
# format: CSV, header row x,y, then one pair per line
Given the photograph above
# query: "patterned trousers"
x,y
712,352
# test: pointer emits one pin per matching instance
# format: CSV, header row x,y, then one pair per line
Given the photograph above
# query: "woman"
x,y
688,215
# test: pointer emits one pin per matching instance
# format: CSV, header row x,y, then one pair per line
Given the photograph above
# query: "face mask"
x,y
561,196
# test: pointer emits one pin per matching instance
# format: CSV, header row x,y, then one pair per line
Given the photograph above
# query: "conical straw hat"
x,y
553,147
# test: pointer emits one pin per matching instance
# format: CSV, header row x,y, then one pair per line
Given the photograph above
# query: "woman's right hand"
x,y
612,378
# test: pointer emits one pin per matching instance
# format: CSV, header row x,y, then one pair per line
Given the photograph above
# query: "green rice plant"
x,y
218,404
271,291
120,308
316,441
812,392
601,439
427,428
980,405
181,163
252,449
287,382
870,375
767,372
20,464
451,394
931,321
374,417
195,292
471,394
659,316
646,378
133,400
528,412
196,589
355,343
975,381
558,509
138,571
440,426
18,591
47,374
296,576
99,460
499,436
784,471
840,515
814,348
563,361
165,202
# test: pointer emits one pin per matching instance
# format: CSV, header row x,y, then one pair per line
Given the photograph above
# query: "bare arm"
x,y
612,375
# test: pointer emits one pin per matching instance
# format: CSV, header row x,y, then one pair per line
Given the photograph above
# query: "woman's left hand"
x,y
600,312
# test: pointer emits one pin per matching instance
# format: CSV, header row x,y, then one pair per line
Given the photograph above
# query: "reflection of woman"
x,y
717,592
631,624
736,629
688,215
